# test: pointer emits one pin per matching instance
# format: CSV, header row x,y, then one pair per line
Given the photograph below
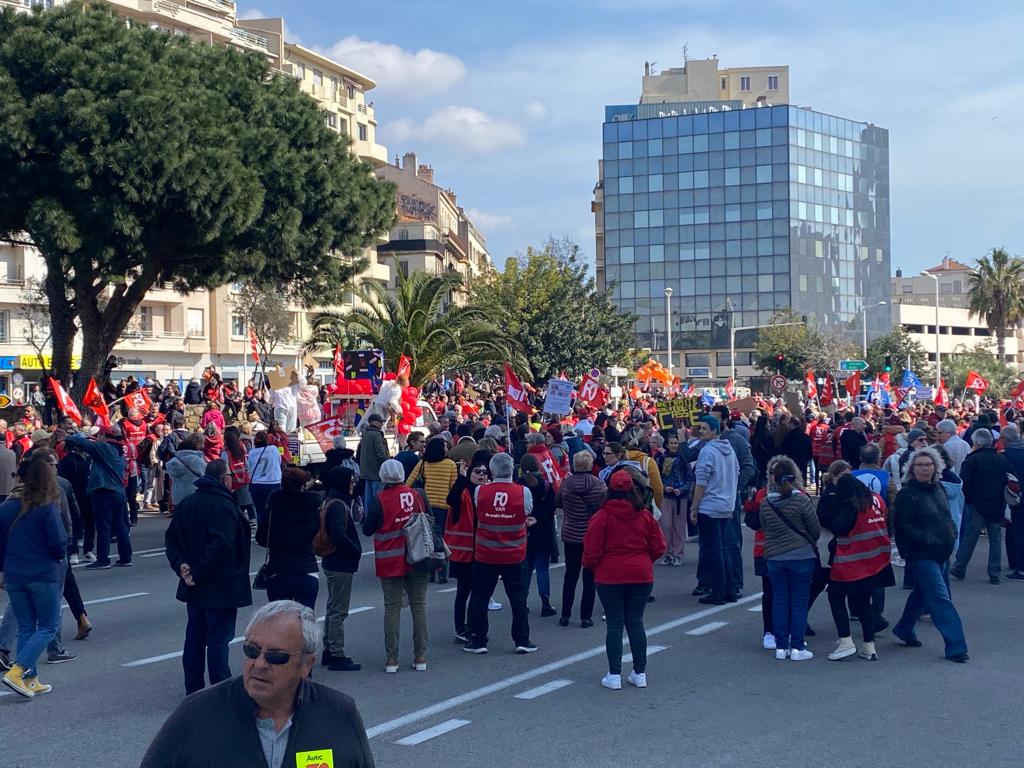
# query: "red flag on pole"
x,y
252,346
515,394
325,431
64,401
812,386
730,389
941,397
139,399
975,382
825,396
404,367
339,361
94,399
591,391
853,384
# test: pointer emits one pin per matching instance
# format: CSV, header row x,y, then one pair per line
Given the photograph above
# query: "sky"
x,y
506,101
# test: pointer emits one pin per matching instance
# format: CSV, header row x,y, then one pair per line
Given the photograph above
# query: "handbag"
x,y
262,575
322,543
424,550
788,523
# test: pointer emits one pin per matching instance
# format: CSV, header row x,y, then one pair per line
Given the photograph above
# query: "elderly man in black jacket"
x,y
207,546
984,474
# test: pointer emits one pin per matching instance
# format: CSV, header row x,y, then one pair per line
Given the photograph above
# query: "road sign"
x,y
5,401
779,383
853,365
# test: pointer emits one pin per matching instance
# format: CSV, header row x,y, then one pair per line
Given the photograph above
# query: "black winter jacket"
x,y
342,530
984,475
922,522
293,520
210,534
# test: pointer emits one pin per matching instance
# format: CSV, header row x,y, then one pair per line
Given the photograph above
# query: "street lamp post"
x,y
732,341
668,327
864,317
938,357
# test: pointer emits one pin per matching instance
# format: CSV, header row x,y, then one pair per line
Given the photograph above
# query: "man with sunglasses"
x,y
294,720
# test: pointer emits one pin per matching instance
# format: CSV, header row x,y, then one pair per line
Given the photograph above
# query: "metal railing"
x,y
250,39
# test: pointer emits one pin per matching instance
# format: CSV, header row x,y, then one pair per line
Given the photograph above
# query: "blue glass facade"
x,y
744,212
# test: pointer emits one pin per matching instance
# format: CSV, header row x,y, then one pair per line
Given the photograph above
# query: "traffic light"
x,y
780,358
888,364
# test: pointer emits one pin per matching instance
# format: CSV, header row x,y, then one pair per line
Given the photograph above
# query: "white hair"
x,y
981,438
312,633
1009,433
931,453
946,426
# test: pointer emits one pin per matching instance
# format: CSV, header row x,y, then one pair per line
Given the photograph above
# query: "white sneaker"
x,y
666,560
614,682
802,654
898,561
844,649
781,654
494,605
677,560
768,643
73,560
89,557
637,679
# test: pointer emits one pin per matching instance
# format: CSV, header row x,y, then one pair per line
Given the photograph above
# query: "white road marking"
x,y
113,599
233,641
627,658
756,609
154,554
709,627
135,553
431,733
540,690
450,589
478,693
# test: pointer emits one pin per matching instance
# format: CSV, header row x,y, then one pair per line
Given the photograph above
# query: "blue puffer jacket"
x,y
34,549
675,473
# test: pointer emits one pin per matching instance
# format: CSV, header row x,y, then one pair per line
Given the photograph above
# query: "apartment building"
x,y
433,233
171,334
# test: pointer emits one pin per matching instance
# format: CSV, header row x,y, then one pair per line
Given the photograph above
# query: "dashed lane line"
x,y
706,628
756,609
432,733
651,650
545,669
540,690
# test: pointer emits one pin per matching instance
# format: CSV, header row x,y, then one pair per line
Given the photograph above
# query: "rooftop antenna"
x,y
654,66
686,52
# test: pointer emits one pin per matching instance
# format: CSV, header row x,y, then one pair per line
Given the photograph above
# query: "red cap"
x,y
735,415
621,481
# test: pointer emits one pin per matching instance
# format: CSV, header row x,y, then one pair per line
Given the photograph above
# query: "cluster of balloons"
x,y
410,410
652,370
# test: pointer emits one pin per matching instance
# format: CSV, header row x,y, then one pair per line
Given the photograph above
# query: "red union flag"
x,y
325,431
139,399
730,389
67,405
252,346
404,367
339,362
515,394
591,392
975,382
812,387
941,397
853,384
94,399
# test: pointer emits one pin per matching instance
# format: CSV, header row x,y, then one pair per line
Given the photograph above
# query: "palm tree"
x,y
996,293
414,321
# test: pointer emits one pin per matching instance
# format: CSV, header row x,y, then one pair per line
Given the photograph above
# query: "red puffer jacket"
x,y
622,543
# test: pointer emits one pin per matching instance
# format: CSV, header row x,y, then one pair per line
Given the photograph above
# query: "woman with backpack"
x,y
287,531
236,457
338,544
436,474
540,537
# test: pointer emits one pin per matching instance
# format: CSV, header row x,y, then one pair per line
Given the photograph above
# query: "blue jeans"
x,y
259,493
207,634
440,515
931,595
301,587
370,490
973,526
111,510
718,573
624,606
36,605
734,548
541,563
791,594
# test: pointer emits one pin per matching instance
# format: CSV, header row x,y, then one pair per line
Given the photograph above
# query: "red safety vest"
x,y
397,504
134,432
501,524
460,536
866,550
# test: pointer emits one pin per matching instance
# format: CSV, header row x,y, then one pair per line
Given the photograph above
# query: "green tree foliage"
x,y
996,293
793,342
898,345
556,312
410,321
267,317
1000,376
132,157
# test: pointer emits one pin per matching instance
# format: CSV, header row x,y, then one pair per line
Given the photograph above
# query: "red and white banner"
x,y
94,399
812,386
853,384
730,389
252,347
515,394
339,362
826,394
325,431
940,396
591,392
975,382
139,399
66,404
404,367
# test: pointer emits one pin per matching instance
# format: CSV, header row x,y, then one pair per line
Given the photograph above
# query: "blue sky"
x,y
505,101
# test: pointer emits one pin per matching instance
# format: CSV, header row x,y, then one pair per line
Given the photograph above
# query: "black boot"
x,y
547,610
326,658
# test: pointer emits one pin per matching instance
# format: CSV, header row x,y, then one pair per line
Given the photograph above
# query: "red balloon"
x,y
403,428
390,377
413,393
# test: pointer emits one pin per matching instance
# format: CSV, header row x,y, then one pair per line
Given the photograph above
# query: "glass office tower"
x,y
743,212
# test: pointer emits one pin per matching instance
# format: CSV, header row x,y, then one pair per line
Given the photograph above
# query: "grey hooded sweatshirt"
x,y
185,468
718,471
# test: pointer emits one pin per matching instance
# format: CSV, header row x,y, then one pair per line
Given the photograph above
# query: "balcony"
x,y
223,6
250,40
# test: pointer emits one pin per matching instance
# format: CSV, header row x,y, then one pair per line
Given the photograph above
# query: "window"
x,y
363,132
146,318
745,83
946,287
194,325
725,83
318,78
403,234
300,71
331,119
334,87
237,327
5,326
403,268
773,82
698,359
351,91
908,289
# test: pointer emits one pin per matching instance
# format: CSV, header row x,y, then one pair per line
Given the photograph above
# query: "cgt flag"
x,y
515,393
941,397
139,399
975,382
812,386
339,362
852,384
67,405
404,367
94,399
730,389
325,431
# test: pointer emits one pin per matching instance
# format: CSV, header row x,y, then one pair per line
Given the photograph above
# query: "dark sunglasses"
x,y
273,657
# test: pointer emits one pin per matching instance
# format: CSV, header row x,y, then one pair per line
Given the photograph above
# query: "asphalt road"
x,y
715,698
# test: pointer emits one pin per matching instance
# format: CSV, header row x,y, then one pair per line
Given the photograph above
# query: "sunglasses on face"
x,y
276,658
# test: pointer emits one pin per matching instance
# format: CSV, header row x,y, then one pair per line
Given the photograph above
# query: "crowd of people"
x,y
611,490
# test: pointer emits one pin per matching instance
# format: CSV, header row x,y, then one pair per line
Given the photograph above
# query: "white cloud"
x,y
253,13
536,110
463,127
488,221
409,73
